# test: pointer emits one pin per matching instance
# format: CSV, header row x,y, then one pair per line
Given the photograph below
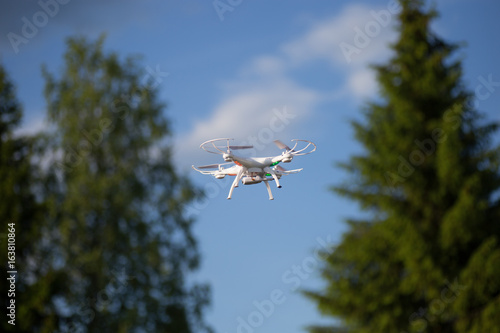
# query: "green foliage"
x,y
102,241
20,207
428,259
119,234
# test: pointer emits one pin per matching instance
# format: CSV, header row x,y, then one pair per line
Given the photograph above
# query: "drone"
x,y
252,170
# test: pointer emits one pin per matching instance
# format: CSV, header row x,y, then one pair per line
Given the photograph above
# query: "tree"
x,y
22,211
428,256
122,236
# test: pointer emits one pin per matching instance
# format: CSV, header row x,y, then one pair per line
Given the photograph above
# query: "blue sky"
x,y
258,71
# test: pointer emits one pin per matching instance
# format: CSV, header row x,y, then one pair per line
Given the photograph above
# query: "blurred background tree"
x,y
23,189
103,239
428,257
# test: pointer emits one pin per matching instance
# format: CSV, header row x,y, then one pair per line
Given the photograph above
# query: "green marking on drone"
x,y
275,163
268,174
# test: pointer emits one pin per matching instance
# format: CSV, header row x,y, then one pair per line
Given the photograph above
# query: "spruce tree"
x,y
122,236
427,256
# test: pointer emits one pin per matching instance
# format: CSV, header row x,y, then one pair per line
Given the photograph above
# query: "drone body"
x,y
251,170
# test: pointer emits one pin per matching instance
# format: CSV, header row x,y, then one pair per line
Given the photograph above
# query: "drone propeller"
x,y
219,166
240,147
281,145
280,168
233,147
209,166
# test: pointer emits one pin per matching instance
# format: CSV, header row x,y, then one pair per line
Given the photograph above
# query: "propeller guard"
x,y
211,146
302,151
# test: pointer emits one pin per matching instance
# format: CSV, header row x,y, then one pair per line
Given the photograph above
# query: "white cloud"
x,y
322,40
350,42
32,126
361,83
267,65
262,112
266,83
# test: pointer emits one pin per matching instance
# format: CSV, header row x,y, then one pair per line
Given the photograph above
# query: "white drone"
x,y
251,170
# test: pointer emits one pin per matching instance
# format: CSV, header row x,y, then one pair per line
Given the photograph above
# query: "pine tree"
x,y
122,235
427,257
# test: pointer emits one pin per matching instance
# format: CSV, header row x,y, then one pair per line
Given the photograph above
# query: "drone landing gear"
x,y
266,182
273,174
269,190
235,182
